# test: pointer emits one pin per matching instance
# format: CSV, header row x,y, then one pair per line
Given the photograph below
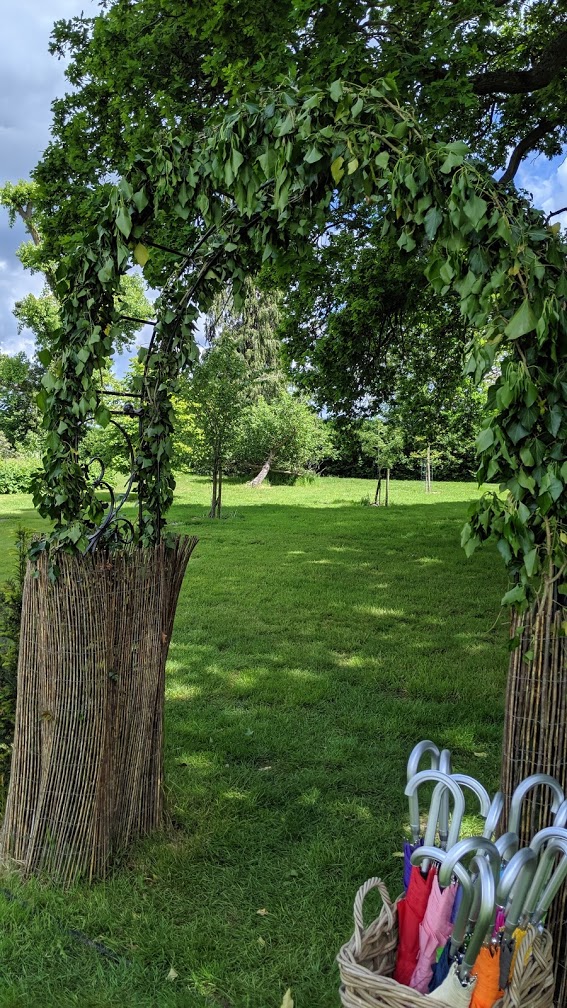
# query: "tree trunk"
x,y
213,511
387,499
378,493
534,734
87,767
259,479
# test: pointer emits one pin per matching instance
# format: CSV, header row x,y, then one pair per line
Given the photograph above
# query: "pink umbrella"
x,y
434,931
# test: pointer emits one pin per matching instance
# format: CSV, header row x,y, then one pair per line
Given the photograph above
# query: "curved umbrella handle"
x,y
438,855
543,887
371,883
547,834
485,916
463,780
494,813
462,917
556,881
417,754
561,815
514,885
412,793
507,844
445,766
522,790
479,846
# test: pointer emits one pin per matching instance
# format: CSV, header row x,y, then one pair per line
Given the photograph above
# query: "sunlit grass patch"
x,y
316,640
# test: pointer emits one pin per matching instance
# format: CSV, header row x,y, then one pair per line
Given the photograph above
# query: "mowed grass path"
x,y
316,640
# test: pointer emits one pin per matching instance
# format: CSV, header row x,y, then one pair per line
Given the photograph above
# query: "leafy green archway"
x,y
258,187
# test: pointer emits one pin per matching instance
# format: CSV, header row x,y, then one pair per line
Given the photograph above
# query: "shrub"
x,y
16,474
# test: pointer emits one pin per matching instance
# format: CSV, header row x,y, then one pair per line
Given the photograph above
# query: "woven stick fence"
x,y
535,735
87,770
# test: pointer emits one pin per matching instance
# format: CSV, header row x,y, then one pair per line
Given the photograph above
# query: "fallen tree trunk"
x,y
87,765
259,479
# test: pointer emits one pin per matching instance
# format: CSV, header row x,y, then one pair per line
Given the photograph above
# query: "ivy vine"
x,y
257,188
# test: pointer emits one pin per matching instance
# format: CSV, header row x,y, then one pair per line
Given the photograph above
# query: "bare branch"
x,y
555,212
525,145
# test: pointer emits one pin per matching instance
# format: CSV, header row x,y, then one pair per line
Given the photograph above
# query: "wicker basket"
x,y
367,961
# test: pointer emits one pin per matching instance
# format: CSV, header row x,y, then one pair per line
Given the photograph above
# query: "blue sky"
x,y
30,78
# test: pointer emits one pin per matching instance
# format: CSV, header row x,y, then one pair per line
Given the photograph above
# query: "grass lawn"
x,y
316,640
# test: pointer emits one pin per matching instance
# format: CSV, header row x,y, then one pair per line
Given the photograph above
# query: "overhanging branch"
x,y
525,145
550,65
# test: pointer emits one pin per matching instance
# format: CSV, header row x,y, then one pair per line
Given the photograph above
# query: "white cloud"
x,y
547,183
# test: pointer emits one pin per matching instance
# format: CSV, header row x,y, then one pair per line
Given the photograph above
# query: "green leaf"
x,y
44,357
516,431
485,439
237,159
337,169
505,550
531,561
352,166
124,221
432,221
514,596
336,90
524,321
102,416
141,254
553,420
140,200
106,272
313,155
475,209
357,108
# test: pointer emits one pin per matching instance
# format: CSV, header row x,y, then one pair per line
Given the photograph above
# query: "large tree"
x,y
491,73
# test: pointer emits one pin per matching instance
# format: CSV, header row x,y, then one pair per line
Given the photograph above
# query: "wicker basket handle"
x,y
371,883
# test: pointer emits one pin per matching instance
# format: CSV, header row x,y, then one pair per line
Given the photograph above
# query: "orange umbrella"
x,y
487,970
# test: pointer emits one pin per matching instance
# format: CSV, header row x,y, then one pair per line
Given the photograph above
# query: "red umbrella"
x,y
434,931
411,911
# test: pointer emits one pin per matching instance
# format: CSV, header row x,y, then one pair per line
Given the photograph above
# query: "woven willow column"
x,y
87,769
535,735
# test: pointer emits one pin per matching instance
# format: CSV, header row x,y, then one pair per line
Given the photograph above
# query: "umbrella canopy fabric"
x,y
506,953
451,992
409,848
487,971
441,968
411,911
434,931
517,937
531,982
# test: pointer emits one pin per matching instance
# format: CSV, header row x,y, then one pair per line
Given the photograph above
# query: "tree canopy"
x,y
490,73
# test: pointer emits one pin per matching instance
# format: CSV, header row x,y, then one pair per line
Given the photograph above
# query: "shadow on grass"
x,y
312,647
311,651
